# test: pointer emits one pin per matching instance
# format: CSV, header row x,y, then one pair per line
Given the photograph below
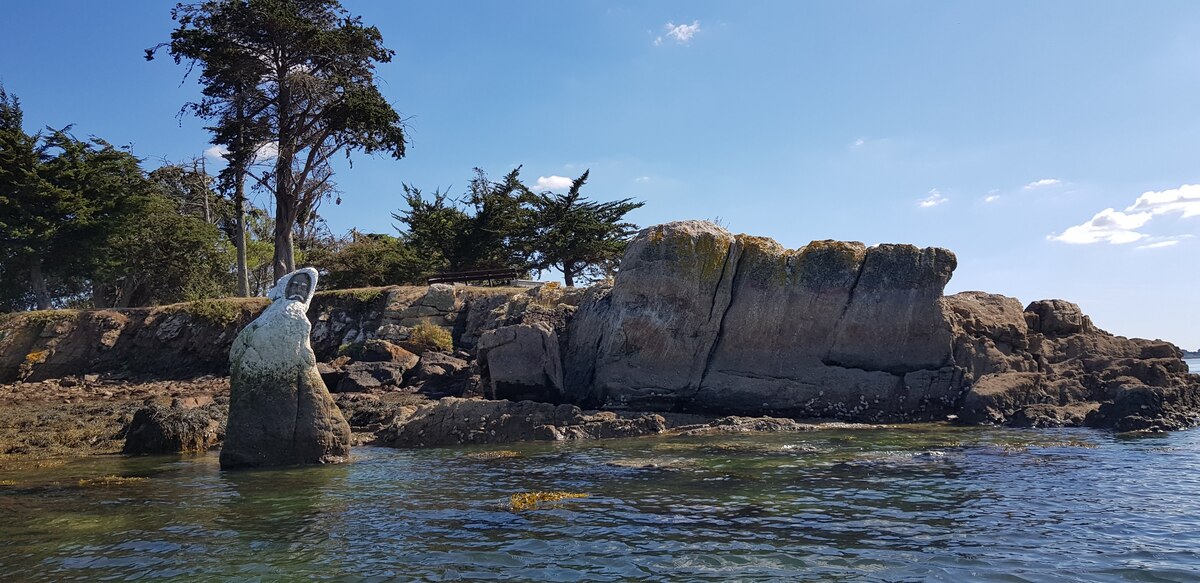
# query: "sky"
x,y
1053,146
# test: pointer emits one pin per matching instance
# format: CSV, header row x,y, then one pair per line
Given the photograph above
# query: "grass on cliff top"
x,y
218,312
362,294
39,317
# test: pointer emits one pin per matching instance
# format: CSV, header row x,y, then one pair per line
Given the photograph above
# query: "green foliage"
x,y
491,228
367,260
504,224
298,73
579,236
82,223
160,256
432,336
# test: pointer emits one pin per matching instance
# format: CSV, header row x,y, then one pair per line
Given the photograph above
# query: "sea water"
x,y
911,503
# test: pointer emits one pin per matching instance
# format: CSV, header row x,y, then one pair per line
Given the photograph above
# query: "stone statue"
x,y
280,412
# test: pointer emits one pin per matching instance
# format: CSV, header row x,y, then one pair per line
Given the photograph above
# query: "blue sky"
x,y
1004,131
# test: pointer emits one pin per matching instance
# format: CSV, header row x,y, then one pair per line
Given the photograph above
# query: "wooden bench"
x,y
493,277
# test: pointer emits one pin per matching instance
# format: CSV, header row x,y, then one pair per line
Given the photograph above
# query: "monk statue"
x,y
280,412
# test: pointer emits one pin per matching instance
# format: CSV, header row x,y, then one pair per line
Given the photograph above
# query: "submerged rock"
x,y
280,412
454,421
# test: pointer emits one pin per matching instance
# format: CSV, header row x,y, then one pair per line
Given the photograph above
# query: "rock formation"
x,y
697,320
280,412
701,320
157,429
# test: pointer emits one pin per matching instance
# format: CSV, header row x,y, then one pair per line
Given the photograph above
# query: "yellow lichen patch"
x,y
8,482
106,481
530,500
493,455
37,357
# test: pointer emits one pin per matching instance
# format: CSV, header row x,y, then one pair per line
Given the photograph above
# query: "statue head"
x,y
298,287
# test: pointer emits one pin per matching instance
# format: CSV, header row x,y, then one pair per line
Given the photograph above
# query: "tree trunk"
x,y
38,280
285,216
285,195
239,243
569,273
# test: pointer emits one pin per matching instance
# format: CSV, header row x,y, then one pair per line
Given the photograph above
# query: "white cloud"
x,y
991,198
682,33
1185,200
1118,227
1043,183
267,151
641,179
859,142
1108,225
553,183
1160,244
935,198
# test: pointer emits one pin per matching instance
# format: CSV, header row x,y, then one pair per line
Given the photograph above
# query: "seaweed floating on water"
x,y
530,500
492,455
105,481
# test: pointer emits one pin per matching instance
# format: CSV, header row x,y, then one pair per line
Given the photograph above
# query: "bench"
x,y
493,277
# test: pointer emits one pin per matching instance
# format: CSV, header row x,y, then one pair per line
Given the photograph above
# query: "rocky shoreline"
x,y
702,329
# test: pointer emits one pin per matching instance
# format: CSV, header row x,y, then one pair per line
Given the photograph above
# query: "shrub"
x,y
432,336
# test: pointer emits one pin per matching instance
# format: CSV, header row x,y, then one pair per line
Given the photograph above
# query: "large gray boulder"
x,y
521,362
280,412
701,319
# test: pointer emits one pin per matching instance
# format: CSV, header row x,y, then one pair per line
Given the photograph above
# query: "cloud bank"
x,y
1122,227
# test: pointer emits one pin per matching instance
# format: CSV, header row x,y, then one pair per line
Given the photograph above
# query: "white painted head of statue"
x,y
297,286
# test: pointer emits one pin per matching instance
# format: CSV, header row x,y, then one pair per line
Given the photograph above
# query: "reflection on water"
x,y
918,503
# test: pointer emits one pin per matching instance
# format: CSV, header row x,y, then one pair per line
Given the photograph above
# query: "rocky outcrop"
x,y
1048,365
189,340
697,320
156,429
453,421
280,412
702,320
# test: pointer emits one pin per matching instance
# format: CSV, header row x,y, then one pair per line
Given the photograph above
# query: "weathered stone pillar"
x,y
280,412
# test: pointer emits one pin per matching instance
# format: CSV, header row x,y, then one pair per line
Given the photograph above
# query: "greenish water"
x,y
908,504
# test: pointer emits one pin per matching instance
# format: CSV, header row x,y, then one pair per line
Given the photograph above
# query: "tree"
x,y
81,222
491,228
578,236
159,255
369,259
296,73
30,208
